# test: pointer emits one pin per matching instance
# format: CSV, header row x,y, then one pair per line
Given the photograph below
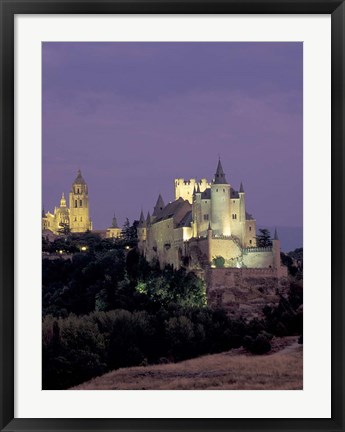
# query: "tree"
x,y
129,233
264,238
64,228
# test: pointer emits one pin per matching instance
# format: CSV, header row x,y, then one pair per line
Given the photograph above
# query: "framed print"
x,y
172,215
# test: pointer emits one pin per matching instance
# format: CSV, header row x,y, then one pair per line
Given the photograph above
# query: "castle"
x,y
206,225
205,229
206,222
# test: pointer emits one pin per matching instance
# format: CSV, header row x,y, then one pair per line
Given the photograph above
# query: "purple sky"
x,y
133,116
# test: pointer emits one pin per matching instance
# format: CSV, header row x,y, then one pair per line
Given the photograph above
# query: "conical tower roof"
x,y
114,222
159,206
142,219
148,218
79,179
241,188
219,177
275,235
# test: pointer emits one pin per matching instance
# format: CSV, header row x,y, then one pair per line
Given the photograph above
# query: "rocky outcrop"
x,y
243,292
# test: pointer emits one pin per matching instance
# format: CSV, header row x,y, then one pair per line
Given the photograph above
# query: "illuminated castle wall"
x,y
206,220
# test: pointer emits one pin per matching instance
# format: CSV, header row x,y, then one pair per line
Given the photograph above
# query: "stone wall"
x,y
227,248
243,292
258,257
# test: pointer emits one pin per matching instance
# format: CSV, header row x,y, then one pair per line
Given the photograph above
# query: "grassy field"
x,y
282,369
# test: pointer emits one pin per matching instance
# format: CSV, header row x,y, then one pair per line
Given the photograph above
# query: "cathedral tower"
x,y
79,205
220,203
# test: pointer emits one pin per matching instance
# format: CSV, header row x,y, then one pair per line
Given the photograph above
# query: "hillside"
x,y
282,369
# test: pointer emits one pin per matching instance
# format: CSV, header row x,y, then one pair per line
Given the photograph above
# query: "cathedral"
x,y
206,222
75,217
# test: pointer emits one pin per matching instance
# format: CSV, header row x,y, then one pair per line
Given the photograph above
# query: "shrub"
x,y
247,342
219,261
260,345
267,335
180,333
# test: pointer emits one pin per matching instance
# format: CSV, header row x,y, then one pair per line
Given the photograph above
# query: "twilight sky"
x,y
133,116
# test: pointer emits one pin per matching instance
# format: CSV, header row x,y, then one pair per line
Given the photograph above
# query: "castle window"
x,y
81,203
206,217
75,219
250,228
250,242
223,190
81,219
216,190
234,216
76,203
78,190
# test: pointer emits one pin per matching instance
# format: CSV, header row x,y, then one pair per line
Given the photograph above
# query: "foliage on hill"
x,y
106,308
103,278
76,349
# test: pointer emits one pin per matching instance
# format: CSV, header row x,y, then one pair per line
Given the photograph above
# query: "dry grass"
x,y
234,370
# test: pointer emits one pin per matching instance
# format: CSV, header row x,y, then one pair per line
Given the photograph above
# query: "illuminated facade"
x,y
74,218
113,231
206,221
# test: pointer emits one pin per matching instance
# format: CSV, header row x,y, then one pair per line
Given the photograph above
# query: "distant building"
x,y
75,217
113,231
206,221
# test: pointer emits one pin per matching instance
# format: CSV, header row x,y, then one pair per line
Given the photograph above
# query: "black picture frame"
x,y
8,9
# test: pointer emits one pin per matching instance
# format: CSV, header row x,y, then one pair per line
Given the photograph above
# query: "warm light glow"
x,y
83,248
127,247
60,251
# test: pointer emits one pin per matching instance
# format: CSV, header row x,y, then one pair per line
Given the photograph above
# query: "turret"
x,y
141,227
148,219
242,215
159,206
220,203
276,251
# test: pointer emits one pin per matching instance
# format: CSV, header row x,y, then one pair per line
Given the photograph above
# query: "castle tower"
x,y
79,205
196,211
242,214
276,252
141,228
159,206
220,203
